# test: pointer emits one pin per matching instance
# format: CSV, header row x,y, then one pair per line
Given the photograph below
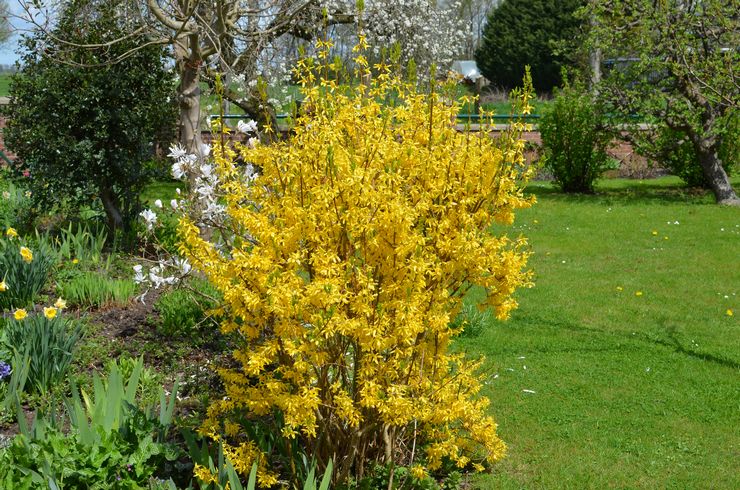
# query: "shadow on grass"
x,y
670,342
665,190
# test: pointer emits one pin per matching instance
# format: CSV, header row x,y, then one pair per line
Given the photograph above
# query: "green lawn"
x,y
5,84
630,391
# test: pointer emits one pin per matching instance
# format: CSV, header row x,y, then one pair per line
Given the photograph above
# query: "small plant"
x,y
81,243
112,442
46,342
90,289
16,210
149,382
575,136
182,311
472,320
23,270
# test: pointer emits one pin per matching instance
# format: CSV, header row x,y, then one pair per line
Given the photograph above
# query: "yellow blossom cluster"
x,y
350,257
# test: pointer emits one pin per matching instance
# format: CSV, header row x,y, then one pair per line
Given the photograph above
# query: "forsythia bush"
x,y
346,259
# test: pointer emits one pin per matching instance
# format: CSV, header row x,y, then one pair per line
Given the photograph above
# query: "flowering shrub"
x,y
343,263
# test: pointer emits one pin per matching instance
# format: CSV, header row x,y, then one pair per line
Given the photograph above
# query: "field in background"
x,y
621,368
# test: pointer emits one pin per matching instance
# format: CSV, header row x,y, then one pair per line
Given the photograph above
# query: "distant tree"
x,y
677,64
528,32
5,27
84,127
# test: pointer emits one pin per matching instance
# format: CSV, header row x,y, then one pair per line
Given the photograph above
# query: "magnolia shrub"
x,y
342,264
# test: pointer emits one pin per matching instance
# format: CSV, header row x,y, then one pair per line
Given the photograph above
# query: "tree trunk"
x,y
716,175
189,62
112,211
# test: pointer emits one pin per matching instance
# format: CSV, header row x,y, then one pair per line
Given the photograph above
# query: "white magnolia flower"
x,y
179,169
150,218
248,127
205,150
173,203
178,191
138,274
206,169
183,265
177,151
158,203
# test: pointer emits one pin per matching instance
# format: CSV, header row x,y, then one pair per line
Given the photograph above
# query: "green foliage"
x,y
48,346
472,320
82,243
674,64
674,150
92,290
149,382
112,442
16,209
527,32
23,279
403,479
183,311
575,136
81,144
220,468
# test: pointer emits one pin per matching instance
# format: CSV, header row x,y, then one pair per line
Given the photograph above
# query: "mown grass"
x,y
5,84
637,387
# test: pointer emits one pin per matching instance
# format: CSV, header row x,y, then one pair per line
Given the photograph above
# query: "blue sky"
x,y
7,51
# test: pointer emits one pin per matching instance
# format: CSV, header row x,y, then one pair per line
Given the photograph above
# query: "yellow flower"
x,y
27,255
3,286
638,293
20,314
417,471
60,304
620,288
655,233
729,312
50,312
11,233
75,260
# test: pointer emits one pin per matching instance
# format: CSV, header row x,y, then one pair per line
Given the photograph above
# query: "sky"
x,y
7,51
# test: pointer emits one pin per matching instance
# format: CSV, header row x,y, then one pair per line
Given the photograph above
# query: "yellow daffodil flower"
x,y
11,233
27,255
20,314
50,312
3,286
60,304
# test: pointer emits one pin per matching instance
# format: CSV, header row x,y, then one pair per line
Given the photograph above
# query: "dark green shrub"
x,y
575,136
83,121
527,32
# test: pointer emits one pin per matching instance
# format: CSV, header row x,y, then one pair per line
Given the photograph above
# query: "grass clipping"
x,y
348,258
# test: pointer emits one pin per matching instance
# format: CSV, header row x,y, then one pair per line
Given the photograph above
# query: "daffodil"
x,y
60,304
3,286
11,233
50,312
27,255
730,312
20,314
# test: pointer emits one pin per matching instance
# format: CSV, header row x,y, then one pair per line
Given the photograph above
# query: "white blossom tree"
x,y
251,38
